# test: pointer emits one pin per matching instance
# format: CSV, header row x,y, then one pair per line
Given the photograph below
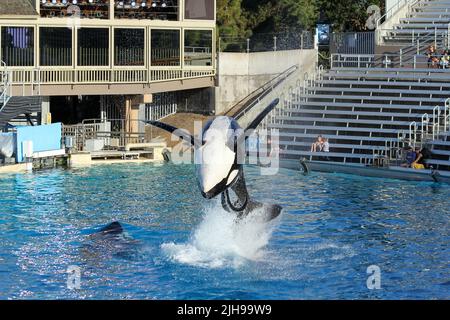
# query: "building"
x,y
70,60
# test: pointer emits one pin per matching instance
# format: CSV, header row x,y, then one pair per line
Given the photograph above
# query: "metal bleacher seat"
x,y
362,108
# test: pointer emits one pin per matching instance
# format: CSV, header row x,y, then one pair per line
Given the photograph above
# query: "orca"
x,y
110,241
218,169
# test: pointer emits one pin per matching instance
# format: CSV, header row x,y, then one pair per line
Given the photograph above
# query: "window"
x,y
55,46
18,46
129,47
146,9
199,9
98,9
198,48
165,47
93,47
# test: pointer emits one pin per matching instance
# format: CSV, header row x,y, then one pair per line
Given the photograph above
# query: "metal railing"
x,y
385,22
247,103
5,85
64,75
431,127
115,134
294,87
159,112
352,42
388,60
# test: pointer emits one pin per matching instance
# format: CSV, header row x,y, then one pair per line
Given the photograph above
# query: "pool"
x,y
179,246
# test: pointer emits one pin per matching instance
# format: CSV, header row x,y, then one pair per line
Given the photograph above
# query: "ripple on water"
x,y
332,228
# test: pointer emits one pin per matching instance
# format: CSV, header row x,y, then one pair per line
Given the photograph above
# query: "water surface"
x,y
180,246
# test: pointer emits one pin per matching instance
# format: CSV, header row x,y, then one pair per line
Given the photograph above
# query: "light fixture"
x,y
54,1
74,1
144,3
44,1
154,4
164,4
64,1
133,3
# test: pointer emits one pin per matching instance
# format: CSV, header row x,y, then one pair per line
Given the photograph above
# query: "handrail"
x,y
5,84
439,123
394,9
387,60
239,108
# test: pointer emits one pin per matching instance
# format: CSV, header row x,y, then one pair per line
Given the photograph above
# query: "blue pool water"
x,y
179,246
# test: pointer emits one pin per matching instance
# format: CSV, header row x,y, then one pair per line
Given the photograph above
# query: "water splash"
x,y
222,241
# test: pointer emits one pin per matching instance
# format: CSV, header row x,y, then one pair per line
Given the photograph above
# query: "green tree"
x,y
232,21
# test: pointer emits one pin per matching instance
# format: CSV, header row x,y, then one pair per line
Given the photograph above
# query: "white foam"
x,y
220,241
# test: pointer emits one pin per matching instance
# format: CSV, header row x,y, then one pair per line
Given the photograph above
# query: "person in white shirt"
x,y
325,145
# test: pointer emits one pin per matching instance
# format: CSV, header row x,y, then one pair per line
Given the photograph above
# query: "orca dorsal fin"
x,y
175,131
257,121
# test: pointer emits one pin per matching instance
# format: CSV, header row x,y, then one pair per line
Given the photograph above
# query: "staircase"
x,y
5,85
14,110
367,106
424,19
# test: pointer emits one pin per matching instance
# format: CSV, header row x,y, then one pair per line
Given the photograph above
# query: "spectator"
x,y
409,158
432,57
445,59
419,163
317,145
325,145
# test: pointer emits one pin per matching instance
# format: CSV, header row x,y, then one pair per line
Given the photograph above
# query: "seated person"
x,y
410,157
445,59
317,145
325,145
432,57
419,163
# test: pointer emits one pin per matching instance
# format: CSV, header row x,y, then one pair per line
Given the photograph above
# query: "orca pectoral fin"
x,y
257,121
182,134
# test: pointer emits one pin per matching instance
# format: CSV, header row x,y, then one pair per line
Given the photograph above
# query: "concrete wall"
x,y
239,74
390,4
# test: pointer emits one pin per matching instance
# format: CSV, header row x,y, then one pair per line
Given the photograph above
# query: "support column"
x,y
46,116
135,112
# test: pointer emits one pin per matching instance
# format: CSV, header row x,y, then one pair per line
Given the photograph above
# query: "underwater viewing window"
x,y
198,48
18,46
55,46
199,9
146,9
93,47
165,47
129,47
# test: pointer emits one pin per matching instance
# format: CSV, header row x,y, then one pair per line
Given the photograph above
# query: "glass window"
x,y
198,48
165,47
55,46
199,9
147,9
93,47
129,47
98,9
18,46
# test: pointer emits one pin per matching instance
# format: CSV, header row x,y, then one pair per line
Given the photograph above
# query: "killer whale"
x,y
218,169
108,242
